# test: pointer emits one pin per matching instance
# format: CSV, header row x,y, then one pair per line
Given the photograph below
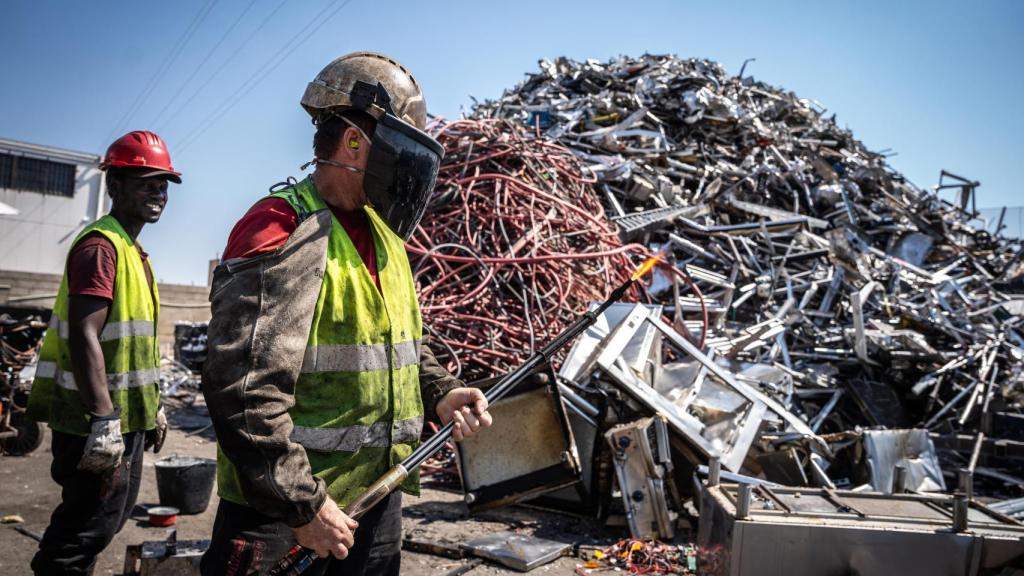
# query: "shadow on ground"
x,y
192,419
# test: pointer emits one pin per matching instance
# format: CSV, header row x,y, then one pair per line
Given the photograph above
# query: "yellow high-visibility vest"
x,y
131,354
357,405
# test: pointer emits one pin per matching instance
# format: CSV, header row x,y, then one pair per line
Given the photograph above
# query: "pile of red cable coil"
x,y
513,246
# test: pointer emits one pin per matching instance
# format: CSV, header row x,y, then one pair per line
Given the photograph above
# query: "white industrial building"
x,y
47,195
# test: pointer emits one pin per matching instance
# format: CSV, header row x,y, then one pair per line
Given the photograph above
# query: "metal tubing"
x,y
899,479
949,405
743,501
960,508
976,451
714,471
578,401
703,470
965,481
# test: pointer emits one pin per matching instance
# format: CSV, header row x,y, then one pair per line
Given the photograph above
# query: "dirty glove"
x,y
155,437
104,447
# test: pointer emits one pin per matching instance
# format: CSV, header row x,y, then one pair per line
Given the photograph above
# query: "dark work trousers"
x,y
93,508
246,542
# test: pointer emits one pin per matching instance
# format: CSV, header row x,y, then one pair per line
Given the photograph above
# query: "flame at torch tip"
x,y
645,267
649,263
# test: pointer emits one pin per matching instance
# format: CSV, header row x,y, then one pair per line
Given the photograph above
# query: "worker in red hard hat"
x,y
97,381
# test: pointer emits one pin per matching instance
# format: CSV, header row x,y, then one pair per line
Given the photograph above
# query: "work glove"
x,y
104,447
155,437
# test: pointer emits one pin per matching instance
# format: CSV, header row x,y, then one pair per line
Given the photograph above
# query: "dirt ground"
x,y
26,489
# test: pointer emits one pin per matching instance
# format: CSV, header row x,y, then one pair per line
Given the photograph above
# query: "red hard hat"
x,y
141,149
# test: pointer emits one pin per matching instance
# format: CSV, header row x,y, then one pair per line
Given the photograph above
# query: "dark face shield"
x,y
400,173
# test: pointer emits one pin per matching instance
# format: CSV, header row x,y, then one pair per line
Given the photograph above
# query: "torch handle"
x,y
298,558
377,491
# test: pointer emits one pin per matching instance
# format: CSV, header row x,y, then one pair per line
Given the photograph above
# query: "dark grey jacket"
x,y
262,313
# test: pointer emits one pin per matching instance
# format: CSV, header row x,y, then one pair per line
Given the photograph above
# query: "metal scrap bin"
x,y
821,532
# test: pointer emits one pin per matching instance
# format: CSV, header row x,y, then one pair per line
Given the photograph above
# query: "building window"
x,y
35,175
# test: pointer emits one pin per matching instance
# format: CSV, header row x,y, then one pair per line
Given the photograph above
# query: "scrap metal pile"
x,y
180,375
818,321
21,337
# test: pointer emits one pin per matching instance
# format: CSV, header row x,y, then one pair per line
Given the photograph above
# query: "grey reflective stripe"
x,y
60,327
345,358
134,379
46,369
358,357
118,330
407,431
112,331
407,353
352,438
119,381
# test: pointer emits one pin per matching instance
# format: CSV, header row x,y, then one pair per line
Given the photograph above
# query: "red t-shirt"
x,y
269,223
92,267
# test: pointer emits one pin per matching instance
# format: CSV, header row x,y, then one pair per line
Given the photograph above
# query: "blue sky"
x,y
939,82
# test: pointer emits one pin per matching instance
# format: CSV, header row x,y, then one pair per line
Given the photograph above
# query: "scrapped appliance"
x,y
748,530
643,466
529,450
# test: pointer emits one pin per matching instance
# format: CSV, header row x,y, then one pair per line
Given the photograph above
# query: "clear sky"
x,y
938,82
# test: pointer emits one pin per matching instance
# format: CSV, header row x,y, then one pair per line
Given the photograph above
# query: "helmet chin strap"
x,y
335,163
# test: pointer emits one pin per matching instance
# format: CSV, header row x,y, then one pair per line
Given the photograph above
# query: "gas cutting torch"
x,y
299,559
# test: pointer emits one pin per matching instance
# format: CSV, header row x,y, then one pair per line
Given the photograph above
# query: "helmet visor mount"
x,y
400,173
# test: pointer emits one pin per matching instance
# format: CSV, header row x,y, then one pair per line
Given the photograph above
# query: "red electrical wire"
x,y
513,246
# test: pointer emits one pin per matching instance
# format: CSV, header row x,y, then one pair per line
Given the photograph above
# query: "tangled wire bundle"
x,y
512,248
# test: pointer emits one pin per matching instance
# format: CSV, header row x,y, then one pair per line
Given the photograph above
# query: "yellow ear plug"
x,y
353,144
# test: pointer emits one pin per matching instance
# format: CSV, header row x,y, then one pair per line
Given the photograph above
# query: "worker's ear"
x,y
114,185
353,146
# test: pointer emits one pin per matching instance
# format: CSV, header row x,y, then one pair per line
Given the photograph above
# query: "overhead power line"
x,y
216,73
161,70
262,73
206,58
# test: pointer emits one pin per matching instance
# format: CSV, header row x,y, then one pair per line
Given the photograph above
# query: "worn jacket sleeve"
x,y
262,311
435,381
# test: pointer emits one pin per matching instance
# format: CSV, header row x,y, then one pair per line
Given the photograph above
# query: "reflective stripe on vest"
x,y
112,331
131,354
352,438
115,381
359,357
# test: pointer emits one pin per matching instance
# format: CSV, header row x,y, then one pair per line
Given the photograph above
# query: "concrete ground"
x,y
437,516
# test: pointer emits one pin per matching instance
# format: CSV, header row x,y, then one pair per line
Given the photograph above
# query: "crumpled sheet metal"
x,y
912,449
